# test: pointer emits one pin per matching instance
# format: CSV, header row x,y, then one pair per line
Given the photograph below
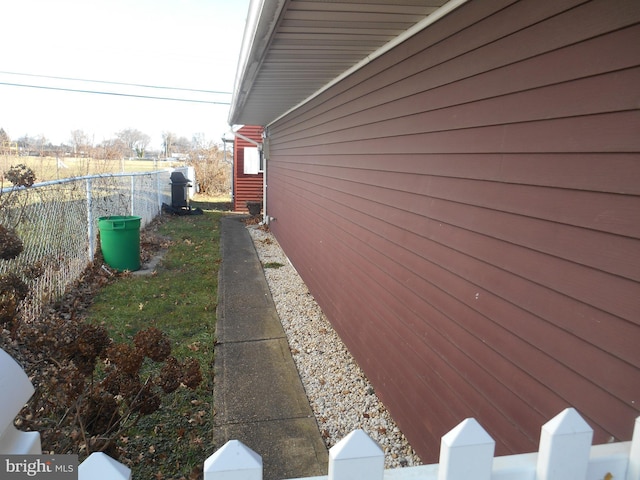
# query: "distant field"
x,y
48,168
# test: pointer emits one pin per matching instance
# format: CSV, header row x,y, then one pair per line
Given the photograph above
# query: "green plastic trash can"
x,y
120,241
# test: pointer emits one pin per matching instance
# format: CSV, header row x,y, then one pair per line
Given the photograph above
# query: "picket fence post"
x,y
633,470
100,466
233,461
565,444
466,452
15,392
356,457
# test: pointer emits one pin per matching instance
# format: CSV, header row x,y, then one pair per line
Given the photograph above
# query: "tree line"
x,y
126,143
213,166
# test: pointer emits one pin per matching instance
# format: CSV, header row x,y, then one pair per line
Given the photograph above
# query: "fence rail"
x,y
57,222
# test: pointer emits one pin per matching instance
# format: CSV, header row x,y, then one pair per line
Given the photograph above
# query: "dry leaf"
x,y
195,473
197,441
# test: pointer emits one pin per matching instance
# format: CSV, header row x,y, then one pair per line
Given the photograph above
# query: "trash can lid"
x,y
178,178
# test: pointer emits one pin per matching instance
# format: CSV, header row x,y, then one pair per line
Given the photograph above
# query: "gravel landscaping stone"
x,y
340,395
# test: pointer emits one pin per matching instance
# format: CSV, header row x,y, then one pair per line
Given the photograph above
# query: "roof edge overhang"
x,y
418,27
261,24
262,19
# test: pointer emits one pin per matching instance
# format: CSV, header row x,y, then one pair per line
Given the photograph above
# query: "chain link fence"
x,y
58,224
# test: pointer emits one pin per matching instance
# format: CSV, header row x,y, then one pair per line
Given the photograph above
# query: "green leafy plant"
x,y
273,265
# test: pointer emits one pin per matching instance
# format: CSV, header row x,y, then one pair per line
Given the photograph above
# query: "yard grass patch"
x,y
180,299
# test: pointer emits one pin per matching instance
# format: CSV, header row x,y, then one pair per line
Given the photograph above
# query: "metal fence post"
x,y
159,191
133,192
90,228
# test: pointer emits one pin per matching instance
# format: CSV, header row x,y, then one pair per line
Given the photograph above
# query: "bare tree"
x,y
5,143
199,141
41,142
135,140
81,142
182,145
168,138
26,144
212,172
3,136
111,149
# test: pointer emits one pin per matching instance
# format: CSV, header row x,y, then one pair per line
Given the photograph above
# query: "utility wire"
x,y
115,93
116,83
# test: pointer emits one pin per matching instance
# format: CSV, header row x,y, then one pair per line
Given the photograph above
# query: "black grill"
x,y
179,194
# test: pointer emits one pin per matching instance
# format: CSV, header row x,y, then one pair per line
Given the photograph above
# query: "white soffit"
x,y
300,47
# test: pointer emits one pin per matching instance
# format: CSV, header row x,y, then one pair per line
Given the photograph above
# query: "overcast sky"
x,y
188,44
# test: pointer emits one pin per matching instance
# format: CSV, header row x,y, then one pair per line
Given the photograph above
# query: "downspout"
x,y
265,151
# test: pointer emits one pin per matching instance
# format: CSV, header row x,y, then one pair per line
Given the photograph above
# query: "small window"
x,y
252,161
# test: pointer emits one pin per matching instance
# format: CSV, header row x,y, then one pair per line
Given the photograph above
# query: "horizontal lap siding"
x,y
246,188
466,210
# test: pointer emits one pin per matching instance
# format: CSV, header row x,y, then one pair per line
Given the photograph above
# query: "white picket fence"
x,y
466,452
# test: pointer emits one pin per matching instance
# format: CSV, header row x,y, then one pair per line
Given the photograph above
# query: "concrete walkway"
x,y
258,396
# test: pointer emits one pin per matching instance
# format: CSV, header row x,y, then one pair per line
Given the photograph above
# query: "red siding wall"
x,y
245,187
466,210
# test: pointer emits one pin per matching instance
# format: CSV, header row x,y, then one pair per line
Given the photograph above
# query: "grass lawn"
x,y
180,299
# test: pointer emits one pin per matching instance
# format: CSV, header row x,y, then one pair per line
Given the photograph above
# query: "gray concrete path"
x,y
258,396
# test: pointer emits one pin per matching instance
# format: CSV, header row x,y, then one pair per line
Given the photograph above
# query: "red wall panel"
x,y
466,211
245,187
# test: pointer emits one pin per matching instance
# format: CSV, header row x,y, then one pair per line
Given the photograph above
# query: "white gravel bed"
x,y
340,395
